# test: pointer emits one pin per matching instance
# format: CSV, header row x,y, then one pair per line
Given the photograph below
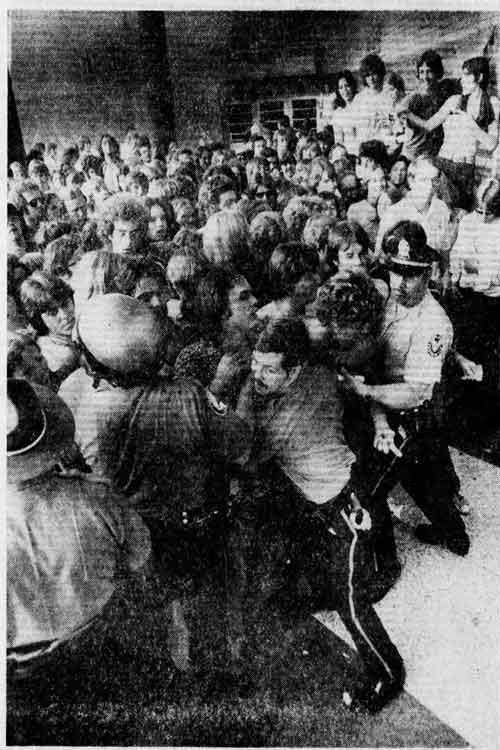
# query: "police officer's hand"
x,y
353,383
384,440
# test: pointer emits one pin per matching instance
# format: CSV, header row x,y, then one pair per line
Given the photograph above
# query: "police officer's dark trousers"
x,y
426,473
324,546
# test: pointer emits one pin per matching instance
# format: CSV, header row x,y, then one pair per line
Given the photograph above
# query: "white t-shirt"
x,y
475,257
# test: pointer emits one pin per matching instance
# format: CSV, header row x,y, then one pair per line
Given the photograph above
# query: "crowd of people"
x,y
225,358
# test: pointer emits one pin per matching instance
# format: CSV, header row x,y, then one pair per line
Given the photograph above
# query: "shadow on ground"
x,y
125,691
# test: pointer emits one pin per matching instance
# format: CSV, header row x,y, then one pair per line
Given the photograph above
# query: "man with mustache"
x,y
306,498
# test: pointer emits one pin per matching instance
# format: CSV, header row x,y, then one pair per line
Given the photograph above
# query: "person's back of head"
x,y
289,337
288,263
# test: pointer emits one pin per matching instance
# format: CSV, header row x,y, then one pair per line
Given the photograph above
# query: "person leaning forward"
x,y
163,443
296,413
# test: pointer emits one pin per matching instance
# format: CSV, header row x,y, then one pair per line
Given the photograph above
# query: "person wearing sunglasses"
x,y
33,205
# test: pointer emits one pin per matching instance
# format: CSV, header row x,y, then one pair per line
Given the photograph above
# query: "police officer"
x,y
314,499
416,336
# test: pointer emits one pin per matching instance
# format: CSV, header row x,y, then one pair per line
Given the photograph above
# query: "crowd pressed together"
x,y
225,359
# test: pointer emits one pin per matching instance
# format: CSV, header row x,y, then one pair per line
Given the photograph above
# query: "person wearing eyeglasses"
x,y
32,205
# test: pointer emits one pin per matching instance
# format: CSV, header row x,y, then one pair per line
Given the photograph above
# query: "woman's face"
x,y
158,225
394,94
345,90
61,320
468,82
373,81
398,173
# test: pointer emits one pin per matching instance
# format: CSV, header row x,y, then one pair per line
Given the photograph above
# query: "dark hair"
x,y
207,306
375,150
140,179
166,206
134,269
69,154
479,67
396,81
115,147
17,343
372,65
350,232
14,266
288,159
349,77
291,261
433,60
59,255
491,195
287,336
92,162
38,168
41,293
143,141
350,299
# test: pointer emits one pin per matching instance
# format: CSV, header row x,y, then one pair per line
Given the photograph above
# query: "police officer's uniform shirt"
x,y
416,341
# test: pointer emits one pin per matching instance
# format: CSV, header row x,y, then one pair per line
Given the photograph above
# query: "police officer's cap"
x,y
406,249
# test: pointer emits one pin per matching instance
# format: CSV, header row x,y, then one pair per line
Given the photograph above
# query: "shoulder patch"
x,y
435,346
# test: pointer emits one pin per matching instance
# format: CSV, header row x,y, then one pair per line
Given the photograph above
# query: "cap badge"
x,y
403,250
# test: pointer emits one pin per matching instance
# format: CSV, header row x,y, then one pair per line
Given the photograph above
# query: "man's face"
x,y
16,243
33,208
408,290
398,173
270,378
351,257
242,303
126,237
150,291
423,186
77,212
218,159
427,77
227,199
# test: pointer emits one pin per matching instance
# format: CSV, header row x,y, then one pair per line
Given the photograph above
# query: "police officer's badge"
x,y
435,345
